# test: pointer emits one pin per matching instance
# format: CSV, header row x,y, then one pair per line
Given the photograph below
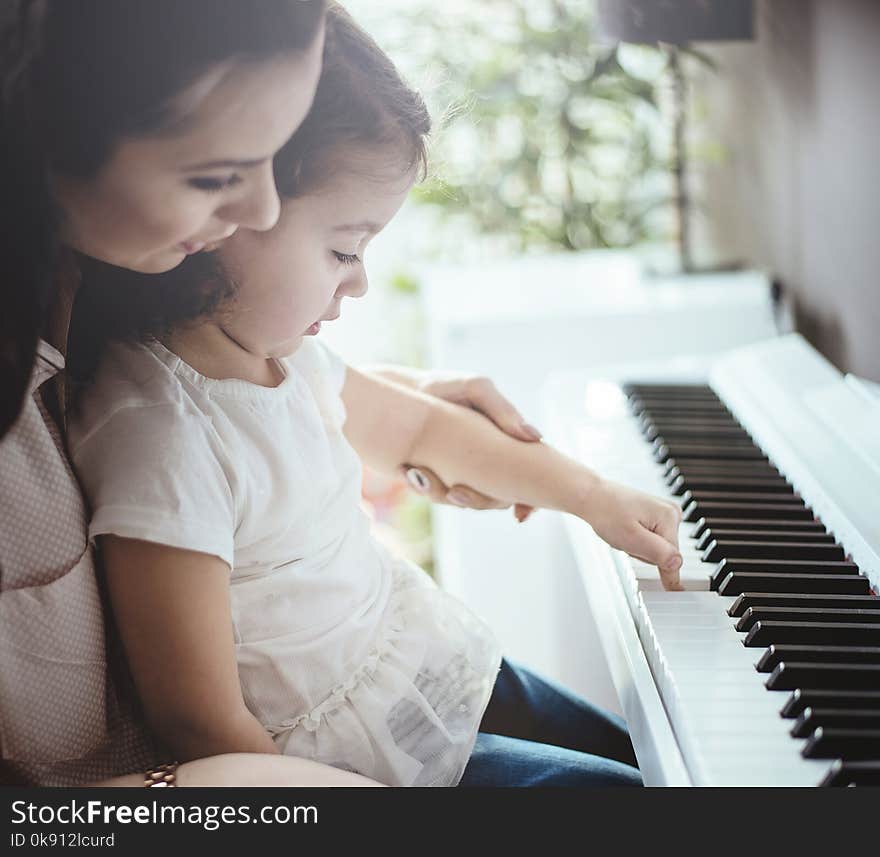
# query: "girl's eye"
x,y
214,185
347,258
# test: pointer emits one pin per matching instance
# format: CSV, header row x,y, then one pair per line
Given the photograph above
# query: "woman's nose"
x,y
260,207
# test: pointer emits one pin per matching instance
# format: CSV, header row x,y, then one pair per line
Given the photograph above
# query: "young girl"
x,y
223,458
114,115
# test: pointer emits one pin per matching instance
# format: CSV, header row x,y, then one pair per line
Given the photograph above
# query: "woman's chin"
x,y
155,263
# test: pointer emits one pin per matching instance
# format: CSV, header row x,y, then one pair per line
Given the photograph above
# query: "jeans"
x,y
535,733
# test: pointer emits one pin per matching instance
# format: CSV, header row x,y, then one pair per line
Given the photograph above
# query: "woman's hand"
x,y
481,395
643,526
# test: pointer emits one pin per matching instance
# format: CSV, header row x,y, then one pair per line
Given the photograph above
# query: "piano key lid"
x,y
819,427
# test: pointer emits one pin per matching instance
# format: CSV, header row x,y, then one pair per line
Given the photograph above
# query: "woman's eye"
x,y
214,185
347,258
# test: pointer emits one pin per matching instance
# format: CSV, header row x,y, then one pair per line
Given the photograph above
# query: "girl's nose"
x,y
355,285
260,207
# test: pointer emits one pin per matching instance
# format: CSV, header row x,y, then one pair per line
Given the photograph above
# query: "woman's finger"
x,y
461,495
428,484
483,396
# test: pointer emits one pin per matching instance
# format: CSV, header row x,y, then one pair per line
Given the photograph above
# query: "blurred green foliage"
x,y
550,137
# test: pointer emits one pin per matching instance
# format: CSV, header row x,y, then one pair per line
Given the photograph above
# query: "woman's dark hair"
x,y
361,104
78,76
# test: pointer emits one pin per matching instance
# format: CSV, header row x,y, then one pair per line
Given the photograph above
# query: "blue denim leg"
x,y
501,761
535,732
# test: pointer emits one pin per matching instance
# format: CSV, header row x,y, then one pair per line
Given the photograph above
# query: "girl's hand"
x,y
643,526
481,395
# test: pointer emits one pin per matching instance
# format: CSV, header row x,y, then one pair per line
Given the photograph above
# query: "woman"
x,y
135,132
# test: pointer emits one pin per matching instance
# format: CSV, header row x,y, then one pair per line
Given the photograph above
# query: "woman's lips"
x,y
211,244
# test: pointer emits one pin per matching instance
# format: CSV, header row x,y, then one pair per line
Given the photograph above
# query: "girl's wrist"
x,y
588,495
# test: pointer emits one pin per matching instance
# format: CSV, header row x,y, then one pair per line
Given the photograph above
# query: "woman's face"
x,y
162,197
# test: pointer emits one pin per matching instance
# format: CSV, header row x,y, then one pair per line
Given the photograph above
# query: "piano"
x,y
766,669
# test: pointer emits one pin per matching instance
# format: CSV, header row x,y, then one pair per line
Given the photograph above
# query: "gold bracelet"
x,y
162,776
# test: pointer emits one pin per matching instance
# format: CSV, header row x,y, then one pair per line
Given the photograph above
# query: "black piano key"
x,y
719,549
811,719
672,407
806,614
692,388
765,485
778,566
732,451
777,654
739,511
712,523
738,582
667,417
790,675
712,467
668,400
703,391
653,427
711,419
767,632
811,698
801,599
831,743
664,394
695,431
784,536
845,774
699,497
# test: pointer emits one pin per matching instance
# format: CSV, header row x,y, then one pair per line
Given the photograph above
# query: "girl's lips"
x,y
312,329
190,247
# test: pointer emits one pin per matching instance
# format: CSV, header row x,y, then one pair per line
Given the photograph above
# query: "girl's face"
x,y
295,276
163,196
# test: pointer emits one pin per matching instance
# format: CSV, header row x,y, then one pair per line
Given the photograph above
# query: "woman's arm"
x,y
172,609
470,391
390,424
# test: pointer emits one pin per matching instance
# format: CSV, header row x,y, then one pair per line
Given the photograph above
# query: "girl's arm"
x,y
173,614
389,424
470,391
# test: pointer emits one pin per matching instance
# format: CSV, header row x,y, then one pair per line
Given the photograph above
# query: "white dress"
x,y
347,654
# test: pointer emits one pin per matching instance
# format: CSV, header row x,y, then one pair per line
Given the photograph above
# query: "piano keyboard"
x,y
767,667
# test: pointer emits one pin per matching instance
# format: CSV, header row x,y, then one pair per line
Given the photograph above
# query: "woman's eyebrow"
x,y
215,165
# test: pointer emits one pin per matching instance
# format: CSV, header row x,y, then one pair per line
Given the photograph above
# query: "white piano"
x,y
697,706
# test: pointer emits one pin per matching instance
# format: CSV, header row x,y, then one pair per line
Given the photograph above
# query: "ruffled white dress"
x,y
347,654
